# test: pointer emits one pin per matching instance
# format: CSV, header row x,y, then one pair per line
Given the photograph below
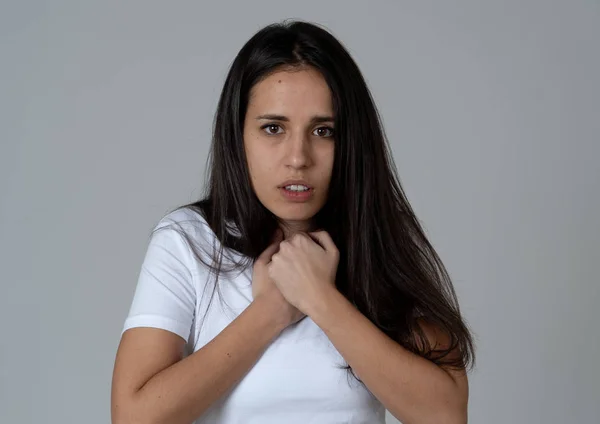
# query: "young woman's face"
x,y
288,135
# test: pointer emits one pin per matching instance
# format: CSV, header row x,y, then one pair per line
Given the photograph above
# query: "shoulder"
x,y
179,236
185,218
187,226
184,224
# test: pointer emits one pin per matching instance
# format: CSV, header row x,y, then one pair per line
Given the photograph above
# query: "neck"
x,y
292,227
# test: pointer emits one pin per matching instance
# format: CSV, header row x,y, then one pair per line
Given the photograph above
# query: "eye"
x,y
271,129
323,132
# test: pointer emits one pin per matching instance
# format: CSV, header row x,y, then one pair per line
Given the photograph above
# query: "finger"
x,y
324,239
266,255
300,238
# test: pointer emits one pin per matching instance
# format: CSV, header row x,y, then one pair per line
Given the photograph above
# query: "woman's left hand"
x,y
303,270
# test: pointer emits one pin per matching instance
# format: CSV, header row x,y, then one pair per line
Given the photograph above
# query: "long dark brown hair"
x,y
388,269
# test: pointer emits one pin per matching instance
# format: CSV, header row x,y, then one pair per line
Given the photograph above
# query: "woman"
x,y
317,258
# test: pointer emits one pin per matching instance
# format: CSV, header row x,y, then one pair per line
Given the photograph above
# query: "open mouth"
x,y
297,192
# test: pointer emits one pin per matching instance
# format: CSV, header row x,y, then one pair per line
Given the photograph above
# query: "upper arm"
x,y
165,294
160,318
142,353
440,341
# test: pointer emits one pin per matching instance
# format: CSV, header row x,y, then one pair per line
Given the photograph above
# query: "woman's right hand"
x,y
265,290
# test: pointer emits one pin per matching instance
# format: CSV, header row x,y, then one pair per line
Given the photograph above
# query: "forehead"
x,y
289,91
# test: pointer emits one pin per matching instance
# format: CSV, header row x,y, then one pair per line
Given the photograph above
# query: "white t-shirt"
x,y
296,380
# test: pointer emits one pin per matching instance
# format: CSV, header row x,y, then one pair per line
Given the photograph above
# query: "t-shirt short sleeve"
x,y
165,294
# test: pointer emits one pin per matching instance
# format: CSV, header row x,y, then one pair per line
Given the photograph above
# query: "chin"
x,y
295,212
294,216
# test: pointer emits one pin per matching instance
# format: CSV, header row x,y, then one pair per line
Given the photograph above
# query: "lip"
x,y
295,182
299,196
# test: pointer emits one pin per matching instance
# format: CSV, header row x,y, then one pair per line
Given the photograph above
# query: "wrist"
x,y
322,304
271,312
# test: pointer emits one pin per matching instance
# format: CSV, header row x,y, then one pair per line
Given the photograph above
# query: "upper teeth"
x,y
296,187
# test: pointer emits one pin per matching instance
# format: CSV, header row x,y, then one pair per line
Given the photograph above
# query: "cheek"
x,y
259,163
328,158
252,155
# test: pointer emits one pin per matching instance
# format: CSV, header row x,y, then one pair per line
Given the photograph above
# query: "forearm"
x,y
185,390
412,388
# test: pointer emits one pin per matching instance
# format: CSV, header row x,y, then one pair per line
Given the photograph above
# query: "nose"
x,y
298,153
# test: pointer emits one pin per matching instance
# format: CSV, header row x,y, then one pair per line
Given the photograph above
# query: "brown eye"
x,y
324,132
271,129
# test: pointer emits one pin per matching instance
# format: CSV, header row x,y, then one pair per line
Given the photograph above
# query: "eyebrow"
x,y
315,119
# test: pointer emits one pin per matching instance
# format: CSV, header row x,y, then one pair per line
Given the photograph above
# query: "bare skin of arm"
x,y
153,384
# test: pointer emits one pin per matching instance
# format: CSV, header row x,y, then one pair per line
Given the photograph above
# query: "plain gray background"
x,y
492,110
